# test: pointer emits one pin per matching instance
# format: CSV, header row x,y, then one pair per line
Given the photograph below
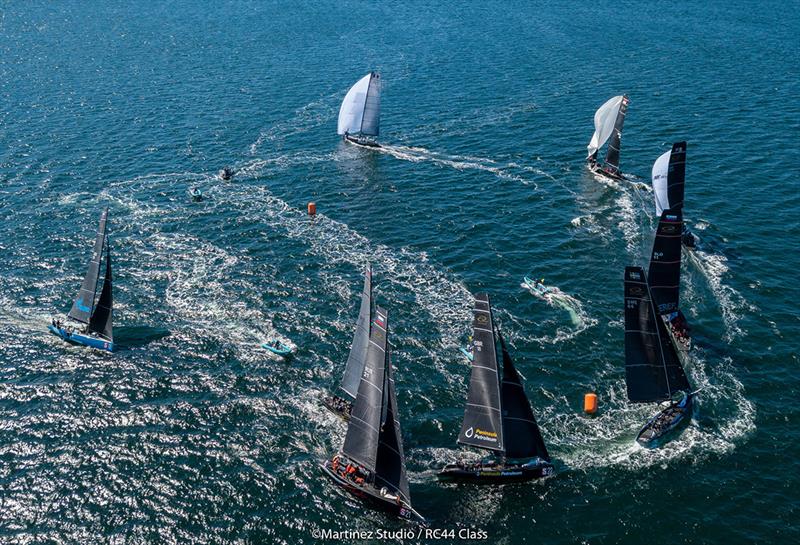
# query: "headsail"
x,y
653,371
664,273
669,176
358,350
84,304
522,436
390,468
360,110
482,426
363,430
604,120
100,321
612,153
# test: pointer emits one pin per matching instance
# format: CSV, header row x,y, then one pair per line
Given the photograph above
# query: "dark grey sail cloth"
x,y
82,306
676,176
522,436
664,272
390,468
653,371
363,429
371,120
612,153
100,321
482,426
360,345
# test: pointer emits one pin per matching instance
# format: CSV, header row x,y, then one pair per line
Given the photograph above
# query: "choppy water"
x,y
191,433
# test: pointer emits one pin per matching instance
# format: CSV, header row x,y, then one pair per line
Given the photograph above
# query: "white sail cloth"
x,y
360,111
660,173
604,119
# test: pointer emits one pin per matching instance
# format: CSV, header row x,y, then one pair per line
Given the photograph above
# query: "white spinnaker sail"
x,y
352,117
660,173
604,119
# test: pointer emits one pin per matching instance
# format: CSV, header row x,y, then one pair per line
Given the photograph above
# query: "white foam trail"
x,y
732,304
458,162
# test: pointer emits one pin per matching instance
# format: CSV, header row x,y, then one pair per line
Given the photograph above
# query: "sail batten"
x,y
83,306
653,371
482,426
360,345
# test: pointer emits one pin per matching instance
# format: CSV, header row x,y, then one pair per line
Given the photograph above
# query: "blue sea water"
x,y
193,433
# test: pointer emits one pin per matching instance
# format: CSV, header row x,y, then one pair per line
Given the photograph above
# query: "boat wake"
x,y
723,417
508,171
556,298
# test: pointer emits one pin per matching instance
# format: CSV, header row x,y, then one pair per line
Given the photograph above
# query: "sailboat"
x,y
371,463
653,370
498,415
343,405
664,277
608,121
89,321
669,177
360,113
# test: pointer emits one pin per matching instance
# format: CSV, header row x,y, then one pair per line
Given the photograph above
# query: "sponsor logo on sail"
x,y
481,318
79,304
484,435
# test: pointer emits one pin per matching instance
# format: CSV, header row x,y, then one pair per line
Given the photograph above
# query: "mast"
x,y
664,272
360,345
83,305
482,426
522,435
363,430
652,368
101,320
612,154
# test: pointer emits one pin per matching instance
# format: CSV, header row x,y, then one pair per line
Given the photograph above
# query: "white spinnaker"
x,y
351,114
604,119
660,173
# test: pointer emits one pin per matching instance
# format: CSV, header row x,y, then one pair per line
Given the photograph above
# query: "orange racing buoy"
x,y
312,209
590,403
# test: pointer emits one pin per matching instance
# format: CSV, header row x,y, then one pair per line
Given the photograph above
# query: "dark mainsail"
x,y
522,436
676,176
363,430
390,468
664,272
482,426
358,350
100,321
653,371
84,304
612,153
